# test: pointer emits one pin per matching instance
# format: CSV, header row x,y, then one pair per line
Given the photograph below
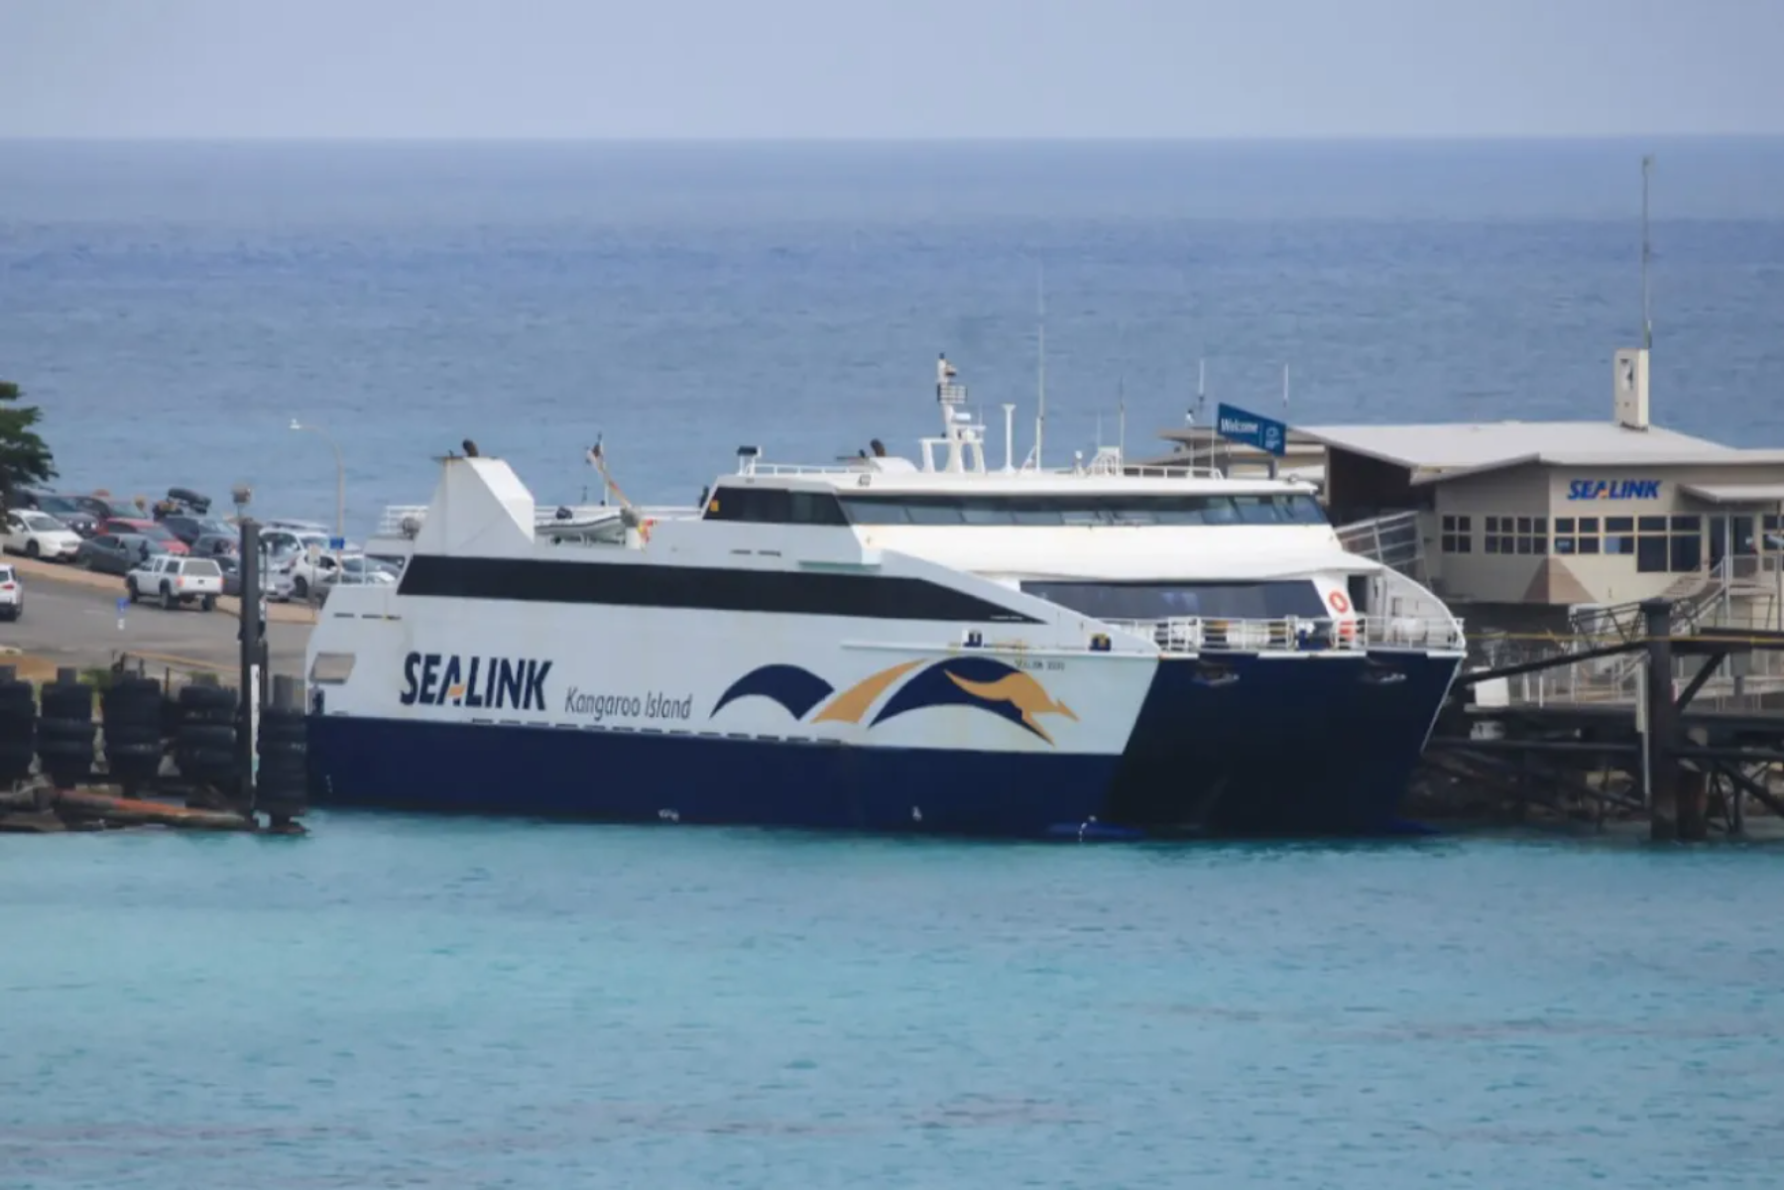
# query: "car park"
x,y
176,580
39,535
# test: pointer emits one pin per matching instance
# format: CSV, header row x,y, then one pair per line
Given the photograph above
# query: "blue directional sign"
x,y
337,543
1249,429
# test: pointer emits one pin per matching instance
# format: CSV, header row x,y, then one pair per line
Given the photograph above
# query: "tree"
x,y
24,458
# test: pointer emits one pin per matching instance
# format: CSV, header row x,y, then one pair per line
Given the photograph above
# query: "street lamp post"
x,y
340,476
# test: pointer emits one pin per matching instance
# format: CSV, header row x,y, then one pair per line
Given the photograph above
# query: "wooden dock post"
x,y
1660,779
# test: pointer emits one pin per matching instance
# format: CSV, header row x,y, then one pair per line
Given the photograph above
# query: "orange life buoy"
x,y
1336,600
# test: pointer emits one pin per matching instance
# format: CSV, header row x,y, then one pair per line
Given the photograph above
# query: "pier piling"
x,y
251,632
1658,721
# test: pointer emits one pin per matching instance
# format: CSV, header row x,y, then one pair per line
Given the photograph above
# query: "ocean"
x,y
420,1002
454,1003
174,306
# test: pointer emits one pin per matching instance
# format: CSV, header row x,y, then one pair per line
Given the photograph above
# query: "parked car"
x,y
355,572
105,508
68,511
39,535
311,572
216,545
117,553
145,528
189,527
275,584
176,580
283,538
12,594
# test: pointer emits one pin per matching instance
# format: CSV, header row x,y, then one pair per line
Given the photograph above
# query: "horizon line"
x,y
878,139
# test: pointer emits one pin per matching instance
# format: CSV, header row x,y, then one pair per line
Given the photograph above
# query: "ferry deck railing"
x,y
402,520
1296,634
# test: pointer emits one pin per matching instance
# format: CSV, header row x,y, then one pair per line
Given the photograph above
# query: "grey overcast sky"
x,y
889,68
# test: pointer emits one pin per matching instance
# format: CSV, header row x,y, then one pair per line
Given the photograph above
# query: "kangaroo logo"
x,y
978,682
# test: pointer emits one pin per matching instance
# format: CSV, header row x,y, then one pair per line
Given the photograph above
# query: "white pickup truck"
x,y
176,579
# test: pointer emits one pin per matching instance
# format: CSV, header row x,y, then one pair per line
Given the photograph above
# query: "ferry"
x,y
934,643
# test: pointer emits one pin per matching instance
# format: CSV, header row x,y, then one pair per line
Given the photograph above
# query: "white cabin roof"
x,y
1485,446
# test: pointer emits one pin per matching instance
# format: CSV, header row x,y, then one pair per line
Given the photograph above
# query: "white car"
x,y
12,594
39,535
176,579
312,573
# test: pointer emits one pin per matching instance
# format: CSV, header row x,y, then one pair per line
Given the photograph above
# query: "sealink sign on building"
x,y
1249,429
1614,489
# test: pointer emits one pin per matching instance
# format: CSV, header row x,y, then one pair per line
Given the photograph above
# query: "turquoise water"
x,y
422,1003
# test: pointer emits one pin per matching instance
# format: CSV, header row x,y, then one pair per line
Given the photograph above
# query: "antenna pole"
x,y
1202,410
1121,421
1040,358
1648,334
1286,386
1009,433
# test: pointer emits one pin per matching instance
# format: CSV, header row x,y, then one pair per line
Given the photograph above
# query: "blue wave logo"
x,y
978,682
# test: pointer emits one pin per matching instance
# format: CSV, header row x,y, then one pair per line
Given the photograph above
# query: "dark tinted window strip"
x,y
774,506
794,593
1244,509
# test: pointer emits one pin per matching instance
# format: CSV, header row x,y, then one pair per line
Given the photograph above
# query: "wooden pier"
x,y
1684,730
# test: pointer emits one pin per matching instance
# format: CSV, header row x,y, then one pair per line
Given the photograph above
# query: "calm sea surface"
x,y
414,1002
175,306
410,1002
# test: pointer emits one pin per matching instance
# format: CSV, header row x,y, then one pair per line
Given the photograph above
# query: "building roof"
x,y
1436,453
1736,493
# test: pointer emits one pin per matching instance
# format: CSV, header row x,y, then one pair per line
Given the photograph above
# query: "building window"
x,y
1665,545
1685,545
1517,535
1770,541
1620,535
1456,536
1577,535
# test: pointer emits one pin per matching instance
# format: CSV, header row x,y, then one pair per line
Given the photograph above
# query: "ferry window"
x,y
1216,510
1256,510
935,512
1651,554
1456,536
1259,509
814,508
1652,524
1302,509
773,506
1159,601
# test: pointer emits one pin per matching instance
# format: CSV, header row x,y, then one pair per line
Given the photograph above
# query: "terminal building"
x,y
1533,521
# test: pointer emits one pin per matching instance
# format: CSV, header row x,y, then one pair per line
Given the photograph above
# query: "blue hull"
x,y
1247,746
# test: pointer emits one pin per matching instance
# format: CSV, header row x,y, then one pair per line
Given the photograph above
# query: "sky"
x,y
875,69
